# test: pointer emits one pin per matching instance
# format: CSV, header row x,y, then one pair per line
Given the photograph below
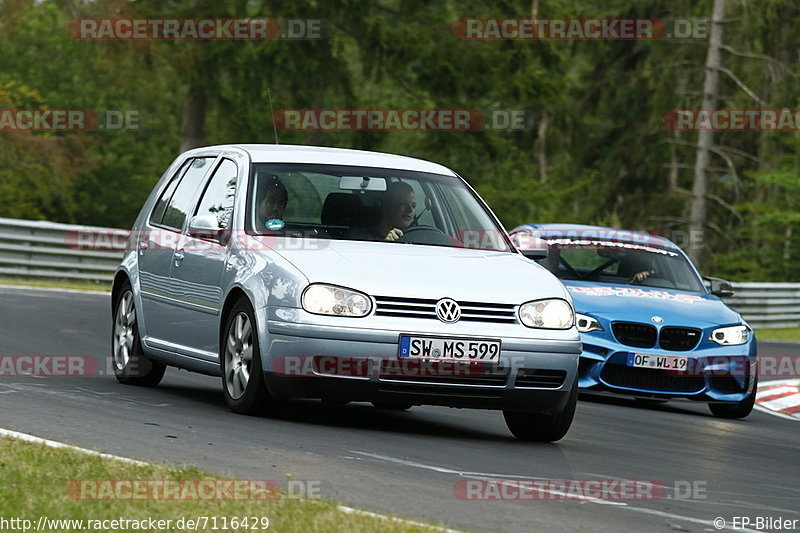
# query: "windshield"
x,y
619,262
369,204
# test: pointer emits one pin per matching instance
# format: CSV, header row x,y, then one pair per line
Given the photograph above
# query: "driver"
x,y
398,205
641,267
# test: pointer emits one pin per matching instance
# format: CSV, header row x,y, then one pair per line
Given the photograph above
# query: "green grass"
x,y
79,284
36,480
779,334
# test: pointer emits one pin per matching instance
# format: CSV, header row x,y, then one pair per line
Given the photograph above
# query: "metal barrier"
x,y
51,250
767,305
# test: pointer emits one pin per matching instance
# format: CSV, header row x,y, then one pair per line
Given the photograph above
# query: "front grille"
x,y
633,334
543,379
650,379
424,308
678,339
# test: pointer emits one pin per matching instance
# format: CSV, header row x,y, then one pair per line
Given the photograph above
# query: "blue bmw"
x,y
650,328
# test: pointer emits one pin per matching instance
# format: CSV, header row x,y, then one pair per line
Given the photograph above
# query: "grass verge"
x,y
36,482
779,334
85,285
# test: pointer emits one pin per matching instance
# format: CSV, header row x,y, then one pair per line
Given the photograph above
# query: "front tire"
x,y
736,410
539,427
131,365
240,358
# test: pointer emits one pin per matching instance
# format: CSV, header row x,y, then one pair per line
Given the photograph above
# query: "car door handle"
x,y
178,257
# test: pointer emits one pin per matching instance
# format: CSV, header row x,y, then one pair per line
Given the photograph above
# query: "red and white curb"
x,y
780,398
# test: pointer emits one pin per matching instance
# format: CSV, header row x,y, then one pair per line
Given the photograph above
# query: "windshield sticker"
x,y
605,245
635,293
275,224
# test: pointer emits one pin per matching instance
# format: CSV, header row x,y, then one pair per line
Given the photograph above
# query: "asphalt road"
x,y
401,462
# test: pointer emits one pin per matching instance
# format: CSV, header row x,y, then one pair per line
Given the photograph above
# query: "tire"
x,y
542,427
240,361
131,365
394,406
736,410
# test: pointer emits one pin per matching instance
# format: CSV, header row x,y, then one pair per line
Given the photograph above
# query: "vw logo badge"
x,y
657,319
448,310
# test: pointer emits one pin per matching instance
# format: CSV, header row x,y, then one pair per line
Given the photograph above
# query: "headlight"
x,y
731,335
586,324
331,300
547,314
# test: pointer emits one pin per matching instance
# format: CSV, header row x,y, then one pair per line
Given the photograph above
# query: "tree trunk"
x,y
541,145
674,170
705,138
193,125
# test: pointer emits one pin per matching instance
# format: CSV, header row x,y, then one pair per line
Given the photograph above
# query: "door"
x,y
198,266
157,244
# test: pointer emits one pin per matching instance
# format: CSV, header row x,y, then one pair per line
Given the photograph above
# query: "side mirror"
x,y
530,246
204,227
720,287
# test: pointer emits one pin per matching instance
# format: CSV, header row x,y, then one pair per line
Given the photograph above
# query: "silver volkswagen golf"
x,y
306,272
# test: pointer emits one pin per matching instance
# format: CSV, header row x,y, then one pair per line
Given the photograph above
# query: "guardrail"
x,y
767,305
52,250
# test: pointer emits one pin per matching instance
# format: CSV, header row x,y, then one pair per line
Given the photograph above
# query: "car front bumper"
x,y
719,373
304,360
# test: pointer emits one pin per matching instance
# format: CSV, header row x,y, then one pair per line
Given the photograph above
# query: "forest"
x,y
598,143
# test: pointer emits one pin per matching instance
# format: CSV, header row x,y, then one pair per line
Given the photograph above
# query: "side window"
x,y
180,203
218,197
169,190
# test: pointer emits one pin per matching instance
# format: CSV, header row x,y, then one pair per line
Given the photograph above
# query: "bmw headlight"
x,y
586,323
731,336
547,314
322,299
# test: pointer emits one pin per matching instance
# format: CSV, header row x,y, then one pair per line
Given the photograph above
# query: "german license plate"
x,y
438,349
664,362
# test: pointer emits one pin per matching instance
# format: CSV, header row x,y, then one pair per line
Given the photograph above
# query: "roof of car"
x,y
598,232
293,153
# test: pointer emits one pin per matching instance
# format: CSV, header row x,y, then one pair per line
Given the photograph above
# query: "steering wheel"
x,y
423,234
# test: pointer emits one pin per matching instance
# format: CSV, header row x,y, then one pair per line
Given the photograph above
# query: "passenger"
x,y
274,198
398,205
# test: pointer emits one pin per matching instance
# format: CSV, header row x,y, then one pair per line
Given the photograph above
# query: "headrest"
x,y
340,209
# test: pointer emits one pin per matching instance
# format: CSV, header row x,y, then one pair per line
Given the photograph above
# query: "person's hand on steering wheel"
x,y
393,235
640,276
